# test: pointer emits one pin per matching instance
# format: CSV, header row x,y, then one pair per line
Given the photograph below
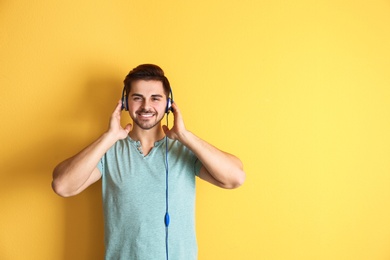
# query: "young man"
x,y
148,173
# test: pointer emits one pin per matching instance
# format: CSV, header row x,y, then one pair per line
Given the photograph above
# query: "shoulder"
x,y
182,153
178,147
120,147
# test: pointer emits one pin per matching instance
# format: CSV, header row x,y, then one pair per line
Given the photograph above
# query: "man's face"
x,y
147,102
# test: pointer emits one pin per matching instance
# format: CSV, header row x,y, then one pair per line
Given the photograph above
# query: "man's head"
x,y
146,95
147,72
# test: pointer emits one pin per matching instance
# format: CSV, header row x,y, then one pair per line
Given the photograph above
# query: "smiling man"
x,y
146,166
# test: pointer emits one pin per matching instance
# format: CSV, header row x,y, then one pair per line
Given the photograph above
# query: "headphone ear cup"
x,y
169,106
125,105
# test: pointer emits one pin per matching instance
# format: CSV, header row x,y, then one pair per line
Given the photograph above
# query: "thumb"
x,y
165,129
128,127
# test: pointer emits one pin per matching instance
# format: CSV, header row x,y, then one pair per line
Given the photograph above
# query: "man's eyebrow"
x,y
139,95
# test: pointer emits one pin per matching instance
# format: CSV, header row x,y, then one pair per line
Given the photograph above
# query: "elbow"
x,y
59,186
240,179
237,181
59,189
239,176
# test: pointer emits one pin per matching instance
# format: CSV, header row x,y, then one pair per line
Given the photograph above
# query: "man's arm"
x,y
219,168
75,174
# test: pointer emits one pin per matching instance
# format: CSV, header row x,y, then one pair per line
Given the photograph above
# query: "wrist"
x,y
184,137
109,137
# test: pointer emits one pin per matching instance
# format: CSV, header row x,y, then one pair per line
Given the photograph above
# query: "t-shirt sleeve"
x,y
100,164
197,165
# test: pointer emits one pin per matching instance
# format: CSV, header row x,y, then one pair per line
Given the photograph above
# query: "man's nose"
x,y
145,104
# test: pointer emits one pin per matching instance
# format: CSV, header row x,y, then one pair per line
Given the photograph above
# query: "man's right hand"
x,y
115,128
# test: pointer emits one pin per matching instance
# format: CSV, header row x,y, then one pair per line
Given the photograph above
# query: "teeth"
x,y
146,115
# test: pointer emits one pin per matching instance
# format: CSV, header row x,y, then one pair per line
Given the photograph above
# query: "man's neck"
x,y
147,138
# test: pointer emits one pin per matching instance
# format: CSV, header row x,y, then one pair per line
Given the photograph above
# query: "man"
x,y
148,173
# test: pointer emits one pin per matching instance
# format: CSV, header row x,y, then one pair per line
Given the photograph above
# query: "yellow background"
x,y
299,90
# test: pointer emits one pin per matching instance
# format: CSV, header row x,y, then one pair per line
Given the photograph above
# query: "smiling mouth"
x,y
145,114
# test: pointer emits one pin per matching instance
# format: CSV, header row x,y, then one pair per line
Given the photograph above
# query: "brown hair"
x,y
147,72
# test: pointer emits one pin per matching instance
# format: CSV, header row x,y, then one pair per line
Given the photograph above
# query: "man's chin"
x,y
146,125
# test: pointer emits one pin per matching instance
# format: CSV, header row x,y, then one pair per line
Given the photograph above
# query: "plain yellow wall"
x,y
299,90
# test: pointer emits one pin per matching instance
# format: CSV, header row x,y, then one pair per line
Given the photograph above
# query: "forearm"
x,y
225,168
74,174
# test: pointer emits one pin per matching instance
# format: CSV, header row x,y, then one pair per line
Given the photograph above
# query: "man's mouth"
x,y
145,114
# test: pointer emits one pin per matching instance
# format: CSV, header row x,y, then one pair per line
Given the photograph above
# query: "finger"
x,y
119,105
177,112
118,108
174,106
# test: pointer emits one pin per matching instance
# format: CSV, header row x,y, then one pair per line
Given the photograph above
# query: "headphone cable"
x,y
166,218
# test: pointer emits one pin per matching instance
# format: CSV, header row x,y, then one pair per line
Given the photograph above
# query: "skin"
x,y
147,102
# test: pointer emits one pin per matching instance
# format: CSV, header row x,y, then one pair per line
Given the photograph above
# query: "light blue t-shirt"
x,y
134,201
